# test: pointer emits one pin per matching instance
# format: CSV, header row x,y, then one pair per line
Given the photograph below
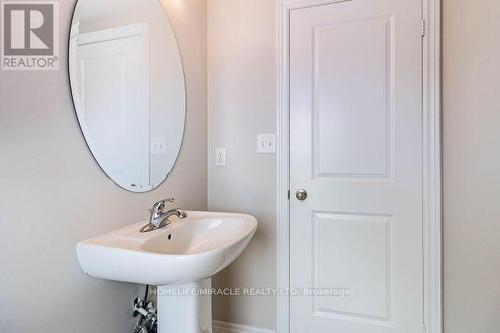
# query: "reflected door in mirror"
x,y
114,104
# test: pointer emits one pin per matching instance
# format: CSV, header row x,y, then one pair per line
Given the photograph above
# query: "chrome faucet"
x,y
159,216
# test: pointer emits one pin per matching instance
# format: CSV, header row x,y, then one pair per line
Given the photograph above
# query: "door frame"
x,y
432,207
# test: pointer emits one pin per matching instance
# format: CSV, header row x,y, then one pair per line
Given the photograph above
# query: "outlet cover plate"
x,y
220,157
158,145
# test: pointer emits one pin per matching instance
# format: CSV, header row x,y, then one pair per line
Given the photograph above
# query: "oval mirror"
x,y
127,83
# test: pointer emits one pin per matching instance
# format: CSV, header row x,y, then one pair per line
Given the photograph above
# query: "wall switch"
x,y
158,145
220,157
266,143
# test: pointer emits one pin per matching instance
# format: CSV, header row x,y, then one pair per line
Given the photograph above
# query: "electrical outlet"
x,y
266,143
220,157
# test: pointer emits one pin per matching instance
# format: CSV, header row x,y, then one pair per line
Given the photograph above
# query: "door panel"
x,y
356,147
359,245
365,62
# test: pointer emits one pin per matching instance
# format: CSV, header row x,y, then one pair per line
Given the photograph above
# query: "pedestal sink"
x,y
178,259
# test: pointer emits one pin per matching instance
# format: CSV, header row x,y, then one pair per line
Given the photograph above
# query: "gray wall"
x,y
241,104
52,193
471,72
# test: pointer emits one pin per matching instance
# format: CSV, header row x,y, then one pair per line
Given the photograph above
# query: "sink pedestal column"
x,y
185,308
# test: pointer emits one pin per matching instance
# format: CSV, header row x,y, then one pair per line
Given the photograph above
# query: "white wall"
x,y
241,104
53,194
471,72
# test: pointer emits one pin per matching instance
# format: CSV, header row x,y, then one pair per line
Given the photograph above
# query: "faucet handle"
x,y
160,205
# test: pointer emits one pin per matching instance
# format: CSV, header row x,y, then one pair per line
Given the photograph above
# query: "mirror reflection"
x,y
128,89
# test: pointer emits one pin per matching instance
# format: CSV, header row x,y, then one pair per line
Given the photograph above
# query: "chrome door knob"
x,y
301,194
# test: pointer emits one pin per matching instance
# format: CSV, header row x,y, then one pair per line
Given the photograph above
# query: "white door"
x,y
356,148
113,101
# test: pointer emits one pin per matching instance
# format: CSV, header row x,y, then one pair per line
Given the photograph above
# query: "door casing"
x,y
432,210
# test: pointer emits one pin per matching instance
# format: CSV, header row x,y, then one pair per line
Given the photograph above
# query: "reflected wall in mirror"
x,y
128,89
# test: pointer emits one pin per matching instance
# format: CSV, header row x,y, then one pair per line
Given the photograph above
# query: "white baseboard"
x,y
225,327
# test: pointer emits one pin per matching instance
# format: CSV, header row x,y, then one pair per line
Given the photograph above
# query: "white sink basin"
x,y
188,250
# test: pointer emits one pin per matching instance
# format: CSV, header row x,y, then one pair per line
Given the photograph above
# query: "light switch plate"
x,y
266,143
220,157
158,145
